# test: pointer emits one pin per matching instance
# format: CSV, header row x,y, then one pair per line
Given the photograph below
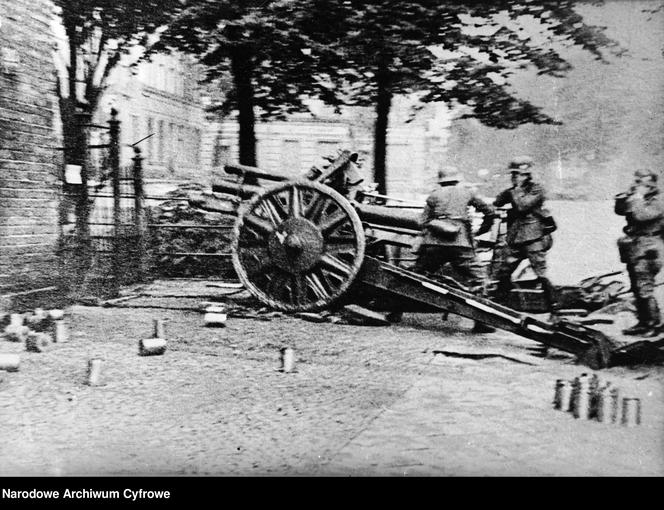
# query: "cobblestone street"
x,y
424,397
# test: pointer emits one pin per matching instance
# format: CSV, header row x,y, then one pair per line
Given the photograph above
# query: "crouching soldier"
x,y
642,247
447,234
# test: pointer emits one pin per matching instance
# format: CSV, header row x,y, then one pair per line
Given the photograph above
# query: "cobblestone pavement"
x,y
399,400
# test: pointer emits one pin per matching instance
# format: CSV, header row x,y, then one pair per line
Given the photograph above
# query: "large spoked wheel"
x,y
298,246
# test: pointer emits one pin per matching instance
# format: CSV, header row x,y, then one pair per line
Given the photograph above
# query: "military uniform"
x,y
525,238
450,202
641,249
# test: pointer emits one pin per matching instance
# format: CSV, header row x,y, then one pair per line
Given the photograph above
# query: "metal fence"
x,y
114,239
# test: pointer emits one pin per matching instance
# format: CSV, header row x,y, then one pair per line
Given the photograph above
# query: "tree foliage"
x,y
97,33
357,52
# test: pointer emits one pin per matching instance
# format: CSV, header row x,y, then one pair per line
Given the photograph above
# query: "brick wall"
x,y
29,169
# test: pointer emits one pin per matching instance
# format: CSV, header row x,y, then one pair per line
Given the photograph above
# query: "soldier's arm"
x,y
503,198
642,210
526,202
482,206
489,215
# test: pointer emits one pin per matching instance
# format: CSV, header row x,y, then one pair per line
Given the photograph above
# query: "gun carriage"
x,y
314,243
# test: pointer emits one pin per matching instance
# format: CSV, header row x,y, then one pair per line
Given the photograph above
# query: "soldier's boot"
x,y
642,315
655,319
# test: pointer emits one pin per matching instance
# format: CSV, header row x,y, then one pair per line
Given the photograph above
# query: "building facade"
x,y
30,168
160,100
415,150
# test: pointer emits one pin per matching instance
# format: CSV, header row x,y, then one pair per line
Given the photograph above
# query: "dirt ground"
x,y
423,397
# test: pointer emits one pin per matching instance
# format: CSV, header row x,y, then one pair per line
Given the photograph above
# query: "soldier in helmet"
x,y
447,235
642,247
526,238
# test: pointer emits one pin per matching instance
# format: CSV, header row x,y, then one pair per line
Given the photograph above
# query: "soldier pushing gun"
x,y
447,235
641,248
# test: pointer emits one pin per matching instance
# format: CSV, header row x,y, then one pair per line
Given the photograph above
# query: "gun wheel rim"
x,y
298,246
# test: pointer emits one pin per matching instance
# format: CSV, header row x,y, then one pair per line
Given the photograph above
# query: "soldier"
x,y
526,238
447,235
641,248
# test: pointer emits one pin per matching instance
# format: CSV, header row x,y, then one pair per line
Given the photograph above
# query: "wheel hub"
x,y
296,246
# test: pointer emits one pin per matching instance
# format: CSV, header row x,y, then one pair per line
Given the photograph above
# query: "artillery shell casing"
x,y
563,395
593,395
9,362
615,401
60,331
94,372
287,359
215,316
582,399
151,346
56,314
604,405
631,412
158,331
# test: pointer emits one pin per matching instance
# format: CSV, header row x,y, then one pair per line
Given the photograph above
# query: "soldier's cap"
x,y
521,164
448,174
644,172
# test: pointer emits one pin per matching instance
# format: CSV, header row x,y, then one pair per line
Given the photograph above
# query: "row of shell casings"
x,y
587,398
50,328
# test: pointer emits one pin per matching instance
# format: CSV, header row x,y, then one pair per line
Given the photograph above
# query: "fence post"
x,y
114,161
82,206
139,215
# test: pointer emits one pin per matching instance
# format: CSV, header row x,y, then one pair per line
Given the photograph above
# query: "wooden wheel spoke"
x,y
277,285
259,225
253,243
277,207
316,208
295,202
298,289
272,211
347,248
314,283
333,222
262,267
336,265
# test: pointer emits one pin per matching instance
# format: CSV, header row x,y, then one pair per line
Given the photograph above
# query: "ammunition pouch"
x,y
620,206
444,227
548,223
651,255
626,249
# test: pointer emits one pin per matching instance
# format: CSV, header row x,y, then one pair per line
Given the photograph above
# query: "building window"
x,y
160,141
291,157
197,147
150,144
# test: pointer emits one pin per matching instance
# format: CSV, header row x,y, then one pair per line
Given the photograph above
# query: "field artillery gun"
x,y
315,243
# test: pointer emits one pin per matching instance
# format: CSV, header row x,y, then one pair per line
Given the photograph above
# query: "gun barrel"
x,y
387,216
237,169
244,191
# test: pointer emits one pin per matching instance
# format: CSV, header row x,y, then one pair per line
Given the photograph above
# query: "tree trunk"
x,y
383,106
241,66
